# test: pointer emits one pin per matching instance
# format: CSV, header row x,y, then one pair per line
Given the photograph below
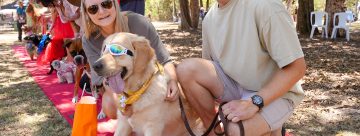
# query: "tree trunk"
x,y
303,25
195,9
174,9
185,16
207,5
332,7
356,8
201,3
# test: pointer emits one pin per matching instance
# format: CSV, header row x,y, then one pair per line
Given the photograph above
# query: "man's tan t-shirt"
x,y
252,39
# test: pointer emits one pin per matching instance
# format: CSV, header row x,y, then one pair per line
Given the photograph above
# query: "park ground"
x,y
331,84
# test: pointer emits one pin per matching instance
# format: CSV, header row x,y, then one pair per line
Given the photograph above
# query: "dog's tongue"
x,y
116,83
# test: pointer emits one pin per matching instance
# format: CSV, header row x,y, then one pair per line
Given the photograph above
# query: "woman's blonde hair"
x,y
121,24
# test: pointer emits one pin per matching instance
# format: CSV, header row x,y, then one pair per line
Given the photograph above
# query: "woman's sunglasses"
x,y
117,50
93,9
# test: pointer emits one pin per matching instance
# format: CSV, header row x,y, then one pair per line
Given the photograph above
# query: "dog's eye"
x,y
73,53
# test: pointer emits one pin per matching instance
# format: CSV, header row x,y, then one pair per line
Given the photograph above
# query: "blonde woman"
x,y
102,18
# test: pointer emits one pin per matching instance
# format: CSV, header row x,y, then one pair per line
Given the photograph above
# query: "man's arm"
x,y
279,84
283,80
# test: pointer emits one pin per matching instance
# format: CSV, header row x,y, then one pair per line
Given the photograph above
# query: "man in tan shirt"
x,y
252,59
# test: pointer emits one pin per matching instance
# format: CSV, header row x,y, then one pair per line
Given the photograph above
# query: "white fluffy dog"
x,y
65,71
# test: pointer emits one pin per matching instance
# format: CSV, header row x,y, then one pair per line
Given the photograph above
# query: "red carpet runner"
x,y
59,94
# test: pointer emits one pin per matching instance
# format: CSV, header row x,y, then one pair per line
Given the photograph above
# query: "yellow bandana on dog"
x,y
129,97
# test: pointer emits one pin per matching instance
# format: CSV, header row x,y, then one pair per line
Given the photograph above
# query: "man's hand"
x,y
237,110
172,91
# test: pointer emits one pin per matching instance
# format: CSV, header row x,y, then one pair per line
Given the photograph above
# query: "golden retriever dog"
x,y
130,67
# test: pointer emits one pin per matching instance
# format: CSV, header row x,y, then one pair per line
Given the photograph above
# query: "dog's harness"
x,y
130,97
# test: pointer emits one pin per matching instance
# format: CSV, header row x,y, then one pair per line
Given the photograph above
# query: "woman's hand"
x,y
237,110
172,91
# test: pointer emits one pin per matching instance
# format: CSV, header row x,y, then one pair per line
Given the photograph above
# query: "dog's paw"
x,y
74,99
101,115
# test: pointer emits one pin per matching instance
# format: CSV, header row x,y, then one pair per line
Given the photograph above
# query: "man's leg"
x,y
268,121
18,25
200,84
255,126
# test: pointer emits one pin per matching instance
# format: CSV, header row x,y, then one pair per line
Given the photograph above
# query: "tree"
x,y
303,16
207,5
184,14
331,7
195,9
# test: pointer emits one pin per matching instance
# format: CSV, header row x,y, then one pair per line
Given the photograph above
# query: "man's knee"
x,y
186,69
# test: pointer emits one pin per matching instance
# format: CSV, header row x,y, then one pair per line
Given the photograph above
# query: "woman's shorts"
x,y
275,114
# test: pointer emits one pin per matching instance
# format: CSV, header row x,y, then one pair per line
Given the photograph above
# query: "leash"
x,y
214,124
188,128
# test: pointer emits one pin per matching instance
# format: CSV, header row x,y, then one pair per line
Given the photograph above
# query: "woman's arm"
x,y
173,89
53,19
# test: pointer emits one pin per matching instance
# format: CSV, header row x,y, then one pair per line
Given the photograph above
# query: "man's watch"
x,y
258,101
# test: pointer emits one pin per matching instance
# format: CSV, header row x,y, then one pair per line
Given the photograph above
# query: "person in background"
x,y
21,19
70,13
252,61
58,31
33,19
137,6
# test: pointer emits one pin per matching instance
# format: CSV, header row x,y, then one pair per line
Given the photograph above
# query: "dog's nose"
x,y
98,66
79,60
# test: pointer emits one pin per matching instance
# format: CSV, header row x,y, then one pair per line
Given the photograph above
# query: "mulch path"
x,y
331,83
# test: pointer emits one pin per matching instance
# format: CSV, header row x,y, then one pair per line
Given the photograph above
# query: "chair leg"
x,y
347,34
312,32
333,33
326,32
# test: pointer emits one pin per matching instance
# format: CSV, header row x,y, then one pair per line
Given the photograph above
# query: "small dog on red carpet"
x,y
65,71
82,72
31,44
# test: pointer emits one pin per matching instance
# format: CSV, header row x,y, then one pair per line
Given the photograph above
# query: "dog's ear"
x,y
143,54
67,43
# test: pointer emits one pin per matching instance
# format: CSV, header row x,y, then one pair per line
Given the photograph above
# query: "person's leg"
x,y
200,83
18,25
266,122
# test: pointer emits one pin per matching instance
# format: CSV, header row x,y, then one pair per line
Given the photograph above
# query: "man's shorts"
x,y
275,114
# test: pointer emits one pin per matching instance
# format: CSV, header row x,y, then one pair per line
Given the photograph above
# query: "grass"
x,y
24,108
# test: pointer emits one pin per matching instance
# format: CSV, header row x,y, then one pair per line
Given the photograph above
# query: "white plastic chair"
x,y
319,23
342,17
350,17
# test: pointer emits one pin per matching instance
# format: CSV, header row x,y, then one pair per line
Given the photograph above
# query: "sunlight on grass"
x,y
32,119
347,133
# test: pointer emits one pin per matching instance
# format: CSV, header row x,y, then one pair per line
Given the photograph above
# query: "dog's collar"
x,y
130,97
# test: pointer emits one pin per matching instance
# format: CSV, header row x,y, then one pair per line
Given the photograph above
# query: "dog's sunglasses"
x,y
117,50
93,9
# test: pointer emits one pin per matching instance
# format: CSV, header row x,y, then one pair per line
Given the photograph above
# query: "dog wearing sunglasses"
x,y
132,71
74,47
